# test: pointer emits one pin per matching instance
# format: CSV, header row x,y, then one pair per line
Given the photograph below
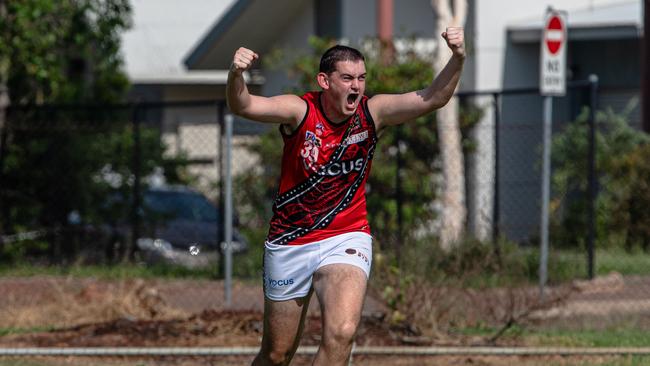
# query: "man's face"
x,y
346,86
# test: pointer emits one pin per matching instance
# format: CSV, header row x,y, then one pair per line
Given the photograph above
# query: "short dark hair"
x,y
338,53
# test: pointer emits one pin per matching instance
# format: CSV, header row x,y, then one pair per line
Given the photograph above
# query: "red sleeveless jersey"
x,y
325,167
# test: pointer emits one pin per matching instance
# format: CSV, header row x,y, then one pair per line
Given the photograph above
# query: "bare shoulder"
x,y
289,101
286,109
292,105
377,106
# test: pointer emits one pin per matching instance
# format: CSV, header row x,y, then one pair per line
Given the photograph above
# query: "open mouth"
x,y
352,98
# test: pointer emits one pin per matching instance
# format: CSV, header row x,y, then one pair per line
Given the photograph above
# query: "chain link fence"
x,y
140,184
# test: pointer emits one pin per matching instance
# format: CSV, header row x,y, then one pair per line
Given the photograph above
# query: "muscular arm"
x,y
286,109
391,109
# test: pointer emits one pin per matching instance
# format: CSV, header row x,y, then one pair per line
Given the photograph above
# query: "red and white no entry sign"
x,y
554,34
553,53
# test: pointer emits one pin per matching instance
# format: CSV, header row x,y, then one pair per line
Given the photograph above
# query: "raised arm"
x,y
392,109
286,109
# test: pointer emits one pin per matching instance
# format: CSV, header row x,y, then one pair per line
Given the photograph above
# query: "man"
x,y
319,239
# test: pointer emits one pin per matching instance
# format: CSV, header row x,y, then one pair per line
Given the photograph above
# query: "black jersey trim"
x,y
366,110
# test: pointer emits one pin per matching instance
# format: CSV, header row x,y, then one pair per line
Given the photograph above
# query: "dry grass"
x,y
69,303
438,309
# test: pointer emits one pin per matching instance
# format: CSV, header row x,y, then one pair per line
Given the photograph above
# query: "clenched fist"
x,y
243,60
455,37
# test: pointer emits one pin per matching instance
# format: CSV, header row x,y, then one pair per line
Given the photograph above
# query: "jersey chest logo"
x,y
309,152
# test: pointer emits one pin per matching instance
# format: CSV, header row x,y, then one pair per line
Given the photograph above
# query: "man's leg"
x,y
341,289
283,325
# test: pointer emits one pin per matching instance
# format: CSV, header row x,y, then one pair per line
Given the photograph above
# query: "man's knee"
x,y
341,334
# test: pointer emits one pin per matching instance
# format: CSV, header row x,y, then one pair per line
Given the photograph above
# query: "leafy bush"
x,y
630,197
616,143
58,144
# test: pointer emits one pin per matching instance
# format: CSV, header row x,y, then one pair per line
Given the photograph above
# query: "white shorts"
x,y
288,269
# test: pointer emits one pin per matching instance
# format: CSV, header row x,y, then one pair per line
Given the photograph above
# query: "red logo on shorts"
x,y
351,251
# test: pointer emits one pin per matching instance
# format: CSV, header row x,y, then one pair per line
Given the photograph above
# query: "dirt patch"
x,y
357,360
210,328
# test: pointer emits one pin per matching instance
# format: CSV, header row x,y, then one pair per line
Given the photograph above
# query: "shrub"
x,y
614,139
474,284
629,197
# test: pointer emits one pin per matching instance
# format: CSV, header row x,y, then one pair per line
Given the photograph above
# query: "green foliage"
x,y
63,51
59,162
59,52
470,264
630,197
621,168
62,153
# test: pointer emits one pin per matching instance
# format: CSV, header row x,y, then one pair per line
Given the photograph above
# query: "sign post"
x,y
552,83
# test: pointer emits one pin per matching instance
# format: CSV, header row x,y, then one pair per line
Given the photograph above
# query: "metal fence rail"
x,y
407,351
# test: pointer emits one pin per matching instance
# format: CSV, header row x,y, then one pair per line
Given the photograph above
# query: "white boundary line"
x,y
245,351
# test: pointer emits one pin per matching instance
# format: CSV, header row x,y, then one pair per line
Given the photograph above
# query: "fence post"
x,y
593,180
399,196
221,112
4,209
135,214
495,203
645,69
228,208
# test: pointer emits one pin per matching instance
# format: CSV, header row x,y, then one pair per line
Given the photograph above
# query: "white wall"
x,y
163,32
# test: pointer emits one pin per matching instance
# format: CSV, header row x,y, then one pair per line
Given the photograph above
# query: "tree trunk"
x,y
453,212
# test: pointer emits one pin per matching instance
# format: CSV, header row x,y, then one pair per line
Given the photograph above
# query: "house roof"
x,y
258,22
617,20
163,32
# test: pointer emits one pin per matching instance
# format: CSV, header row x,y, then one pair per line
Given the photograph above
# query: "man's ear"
x,y
323,80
